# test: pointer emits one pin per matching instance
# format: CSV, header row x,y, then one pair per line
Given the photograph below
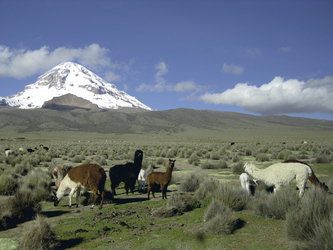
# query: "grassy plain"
x,y
128,222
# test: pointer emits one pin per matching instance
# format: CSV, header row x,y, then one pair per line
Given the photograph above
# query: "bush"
x,y
194,159
190,184
207,165
234,198
180,201
238,168
315,208
262,157
40,236
206,189
276,205
8,184
219,219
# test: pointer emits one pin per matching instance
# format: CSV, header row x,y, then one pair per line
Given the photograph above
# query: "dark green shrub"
x,y
40,236
221,164
207,188
207,165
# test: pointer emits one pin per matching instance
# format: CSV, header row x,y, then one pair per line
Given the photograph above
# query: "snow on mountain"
x,y
72,78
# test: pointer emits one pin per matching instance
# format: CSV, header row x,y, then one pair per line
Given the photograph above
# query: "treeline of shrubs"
x,y
308,219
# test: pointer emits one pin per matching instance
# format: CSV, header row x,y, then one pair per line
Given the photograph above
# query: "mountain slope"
x,y
71,78
177,120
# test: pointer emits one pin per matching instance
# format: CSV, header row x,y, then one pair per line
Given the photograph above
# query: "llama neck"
x,y
62,188
168,172
255,172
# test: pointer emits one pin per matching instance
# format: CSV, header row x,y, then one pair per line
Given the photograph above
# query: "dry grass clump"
x,y
312,219
275,205
190,184
40,236
219,219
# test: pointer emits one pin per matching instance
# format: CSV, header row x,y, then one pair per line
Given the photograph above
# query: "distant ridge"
x,y
75,80
144,121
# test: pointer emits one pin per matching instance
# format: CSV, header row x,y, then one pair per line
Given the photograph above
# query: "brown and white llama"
x,y
59,173
83,176
312,178
161,179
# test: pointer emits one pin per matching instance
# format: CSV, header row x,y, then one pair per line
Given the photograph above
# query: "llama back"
x,y
81,174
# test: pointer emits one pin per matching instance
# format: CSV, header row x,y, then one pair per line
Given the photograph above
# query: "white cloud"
x,y
279,96
232,69
253,52
110,76
20,63
185,86
285,49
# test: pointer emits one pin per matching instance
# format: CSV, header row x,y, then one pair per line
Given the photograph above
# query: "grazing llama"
x,y
245,182
59,173
83,176
127,173
161,179
281,174
142,180
312,178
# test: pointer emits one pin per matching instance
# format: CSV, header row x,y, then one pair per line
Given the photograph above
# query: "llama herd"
x,y
93,176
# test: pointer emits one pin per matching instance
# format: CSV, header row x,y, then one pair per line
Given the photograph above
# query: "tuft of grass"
x,y
219,219
190,184
40,236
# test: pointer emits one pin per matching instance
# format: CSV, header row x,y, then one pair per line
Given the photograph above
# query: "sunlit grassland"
x,y
128,222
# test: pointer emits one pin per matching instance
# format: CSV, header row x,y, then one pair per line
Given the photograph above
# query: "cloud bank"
x,y
20,63
232,69
280,96
162,85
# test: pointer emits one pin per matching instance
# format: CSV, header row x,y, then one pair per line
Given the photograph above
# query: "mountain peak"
x,y
72,78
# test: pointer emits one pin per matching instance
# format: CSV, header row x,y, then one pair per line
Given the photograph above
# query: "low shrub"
x,y
238,168
180,201
194,159
40,236
8,183
234,198
303,223
207,188
190,184
262,157
219,219
276,205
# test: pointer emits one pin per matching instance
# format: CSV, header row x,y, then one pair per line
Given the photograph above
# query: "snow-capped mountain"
x,y
72,78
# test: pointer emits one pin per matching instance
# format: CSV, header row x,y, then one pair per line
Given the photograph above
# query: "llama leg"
x,y
78,193
276,188
248,188
163,189
70,197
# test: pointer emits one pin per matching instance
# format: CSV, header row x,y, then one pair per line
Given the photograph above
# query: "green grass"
x,y
133,225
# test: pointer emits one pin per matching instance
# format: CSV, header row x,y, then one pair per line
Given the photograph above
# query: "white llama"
x,y
142,180
281,174
245,182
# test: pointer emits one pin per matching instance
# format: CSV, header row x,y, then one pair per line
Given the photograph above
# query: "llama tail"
x,y
312,177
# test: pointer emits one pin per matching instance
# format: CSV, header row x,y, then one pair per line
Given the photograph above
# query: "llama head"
x,y
172,163
138,156
55,199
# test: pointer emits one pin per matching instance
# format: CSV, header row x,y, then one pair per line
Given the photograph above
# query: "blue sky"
x,y
256,57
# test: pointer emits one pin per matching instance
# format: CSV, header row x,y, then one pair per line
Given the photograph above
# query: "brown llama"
x,y
83,176
312,178
161,179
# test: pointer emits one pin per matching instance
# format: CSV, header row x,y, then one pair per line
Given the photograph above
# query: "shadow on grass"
x,y
50,214
66,244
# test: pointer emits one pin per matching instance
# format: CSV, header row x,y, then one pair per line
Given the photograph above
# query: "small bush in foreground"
x,y
180,201
315,208
276,205
40,236
219,219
